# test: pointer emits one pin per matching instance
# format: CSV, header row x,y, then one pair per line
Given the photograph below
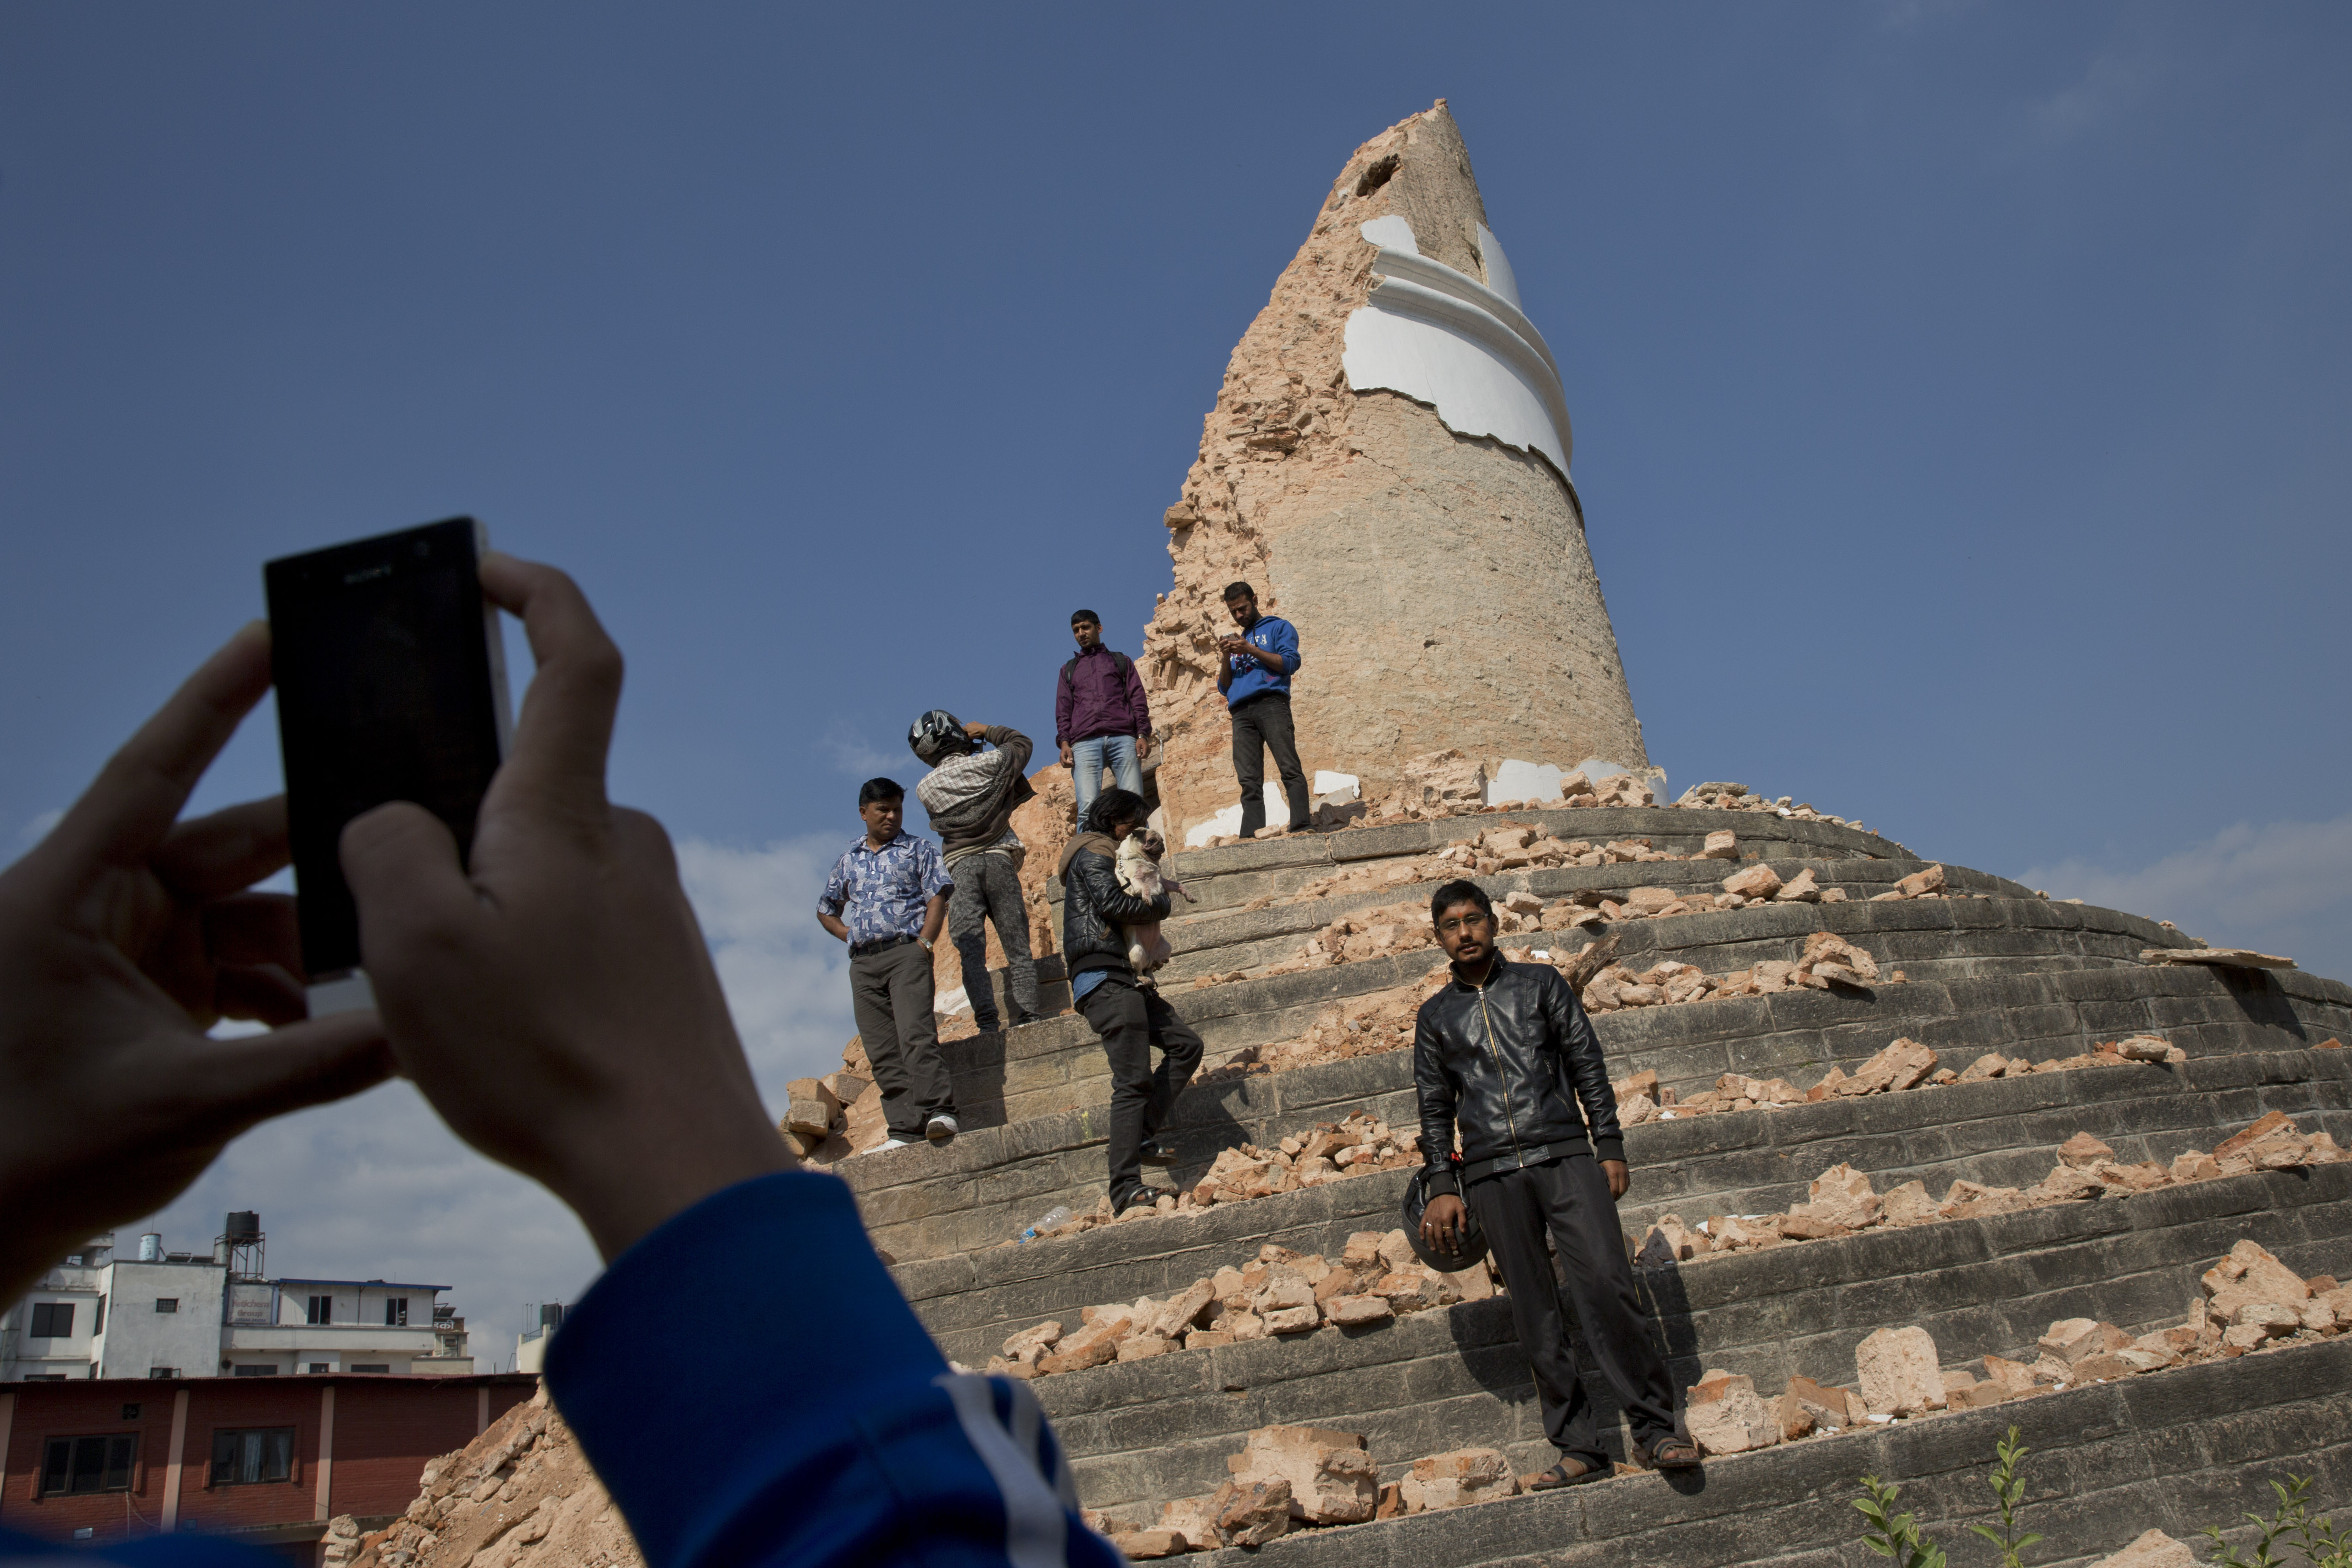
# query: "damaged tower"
x,y
1388,462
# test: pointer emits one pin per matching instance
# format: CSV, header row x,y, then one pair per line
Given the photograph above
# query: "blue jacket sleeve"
x,y
187,1550
806,1417
1286,643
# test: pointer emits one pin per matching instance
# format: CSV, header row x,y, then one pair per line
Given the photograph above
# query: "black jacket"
x,y
1093,906
1510,1060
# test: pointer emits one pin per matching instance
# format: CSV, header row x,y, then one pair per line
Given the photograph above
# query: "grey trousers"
x,y
987,888
1569,1197
1262,724
890,993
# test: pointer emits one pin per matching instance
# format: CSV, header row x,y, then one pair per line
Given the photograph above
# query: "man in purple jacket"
x,y
1099,715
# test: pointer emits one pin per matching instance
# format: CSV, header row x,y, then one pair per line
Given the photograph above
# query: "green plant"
x,y
1894,1535
2319,1542
2009,1488
1897,1535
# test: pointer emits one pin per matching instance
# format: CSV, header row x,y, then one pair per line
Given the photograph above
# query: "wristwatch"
x,y
923,943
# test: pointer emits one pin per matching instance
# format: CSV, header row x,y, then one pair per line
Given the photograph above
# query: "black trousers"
x,y
1132,1020
1569,1197
890,993
1262,724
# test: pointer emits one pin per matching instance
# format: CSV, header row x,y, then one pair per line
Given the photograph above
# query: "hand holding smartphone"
x,y
391,685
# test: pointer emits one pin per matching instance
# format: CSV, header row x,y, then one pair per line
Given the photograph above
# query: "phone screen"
x,y
391,686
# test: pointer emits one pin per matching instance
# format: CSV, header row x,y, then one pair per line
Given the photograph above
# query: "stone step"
x,y
992,1181
2000,1134
2173,1450
1026,1071
997,1178
1228,940
1144,1433
2011,971
1053,988
1235,874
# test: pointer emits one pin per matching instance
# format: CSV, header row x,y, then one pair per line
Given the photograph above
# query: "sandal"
x,y
1674,1453
1561,1475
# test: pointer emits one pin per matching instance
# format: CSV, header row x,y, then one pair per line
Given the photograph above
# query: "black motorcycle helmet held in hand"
x,y
937,736
1474,1239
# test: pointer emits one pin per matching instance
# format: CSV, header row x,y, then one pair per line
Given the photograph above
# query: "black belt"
x,y
1516,1160
880,945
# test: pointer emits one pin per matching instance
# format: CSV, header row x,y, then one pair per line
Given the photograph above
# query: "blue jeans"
x,y
1088,758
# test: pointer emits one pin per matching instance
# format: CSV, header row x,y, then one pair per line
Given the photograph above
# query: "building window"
x,y
253,1369
322,1308
51,1321
396,1311
167,1303
98,1316
88,1464
382,1366
130,1413
320,1367
241,1459
163,1371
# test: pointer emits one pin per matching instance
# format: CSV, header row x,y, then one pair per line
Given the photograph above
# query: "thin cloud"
x,y
849,752
2285,885
378,1188
2113,85
787,980
1909,16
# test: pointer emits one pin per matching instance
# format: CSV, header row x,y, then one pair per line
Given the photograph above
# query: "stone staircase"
x,y
1993,967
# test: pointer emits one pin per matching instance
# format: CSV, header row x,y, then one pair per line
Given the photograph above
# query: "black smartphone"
x,y
391,685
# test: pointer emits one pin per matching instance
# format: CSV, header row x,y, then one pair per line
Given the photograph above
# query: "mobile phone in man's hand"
x,y
391,685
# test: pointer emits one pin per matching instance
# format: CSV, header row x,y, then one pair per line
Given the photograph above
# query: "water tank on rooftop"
x,y
550,1316
151,1248
244,1224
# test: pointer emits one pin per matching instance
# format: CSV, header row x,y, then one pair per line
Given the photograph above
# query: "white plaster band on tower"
x,y
1442,337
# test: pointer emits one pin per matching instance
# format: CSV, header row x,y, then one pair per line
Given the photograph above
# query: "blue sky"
x,y
1961,399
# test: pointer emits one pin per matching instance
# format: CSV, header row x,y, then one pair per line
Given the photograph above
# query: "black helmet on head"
x,y
1474,1239
937,736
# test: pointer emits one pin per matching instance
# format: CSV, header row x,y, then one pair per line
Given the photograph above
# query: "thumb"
x,y
401,863
254,1077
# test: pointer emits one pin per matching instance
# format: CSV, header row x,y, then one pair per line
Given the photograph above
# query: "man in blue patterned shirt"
x,y
887,898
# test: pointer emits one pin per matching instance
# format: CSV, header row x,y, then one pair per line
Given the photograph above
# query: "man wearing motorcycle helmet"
x,y
1506,1052
970,795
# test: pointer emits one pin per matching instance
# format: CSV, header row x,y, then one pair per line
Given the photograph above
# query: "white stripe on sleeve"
x,y
1036,1531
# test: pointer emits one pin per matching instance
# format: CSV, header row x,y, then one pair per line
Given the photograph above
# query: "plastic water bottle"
x,y
1058,1215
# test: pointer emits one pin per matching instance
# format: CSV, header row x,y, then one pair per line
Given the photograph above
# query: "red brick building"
x,y
268,1460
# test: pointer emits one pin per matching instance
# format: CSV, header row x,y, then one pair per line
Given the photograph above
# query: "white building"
x,y
530,1345
182,1314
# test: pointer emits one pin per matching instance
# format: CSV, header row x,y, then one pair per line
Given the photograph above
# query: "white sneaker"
x,y
940,1127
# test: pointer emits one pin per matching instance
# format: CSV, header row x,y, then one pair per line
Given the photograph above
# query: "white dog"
x,y
1139,873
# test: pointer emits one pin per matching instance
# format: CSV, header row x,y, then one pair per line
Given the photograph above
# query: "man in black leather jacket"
x,y
1506,1052
1131,1018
